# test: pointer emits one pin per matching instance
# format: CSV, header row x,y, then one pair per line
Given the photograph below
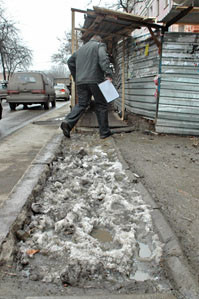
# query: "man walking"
x,y
89,66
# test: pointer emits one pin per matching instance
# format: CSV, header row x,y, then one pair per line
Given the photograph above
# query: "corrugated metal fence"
x,y
141,66
179,88
178,109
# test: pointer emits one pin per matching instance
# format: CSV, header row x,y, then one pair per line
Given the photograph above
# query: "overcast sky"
x,y
41,22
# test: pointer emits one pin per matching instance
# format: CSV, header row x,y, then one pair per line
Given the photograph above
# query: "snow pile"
x,y
88,192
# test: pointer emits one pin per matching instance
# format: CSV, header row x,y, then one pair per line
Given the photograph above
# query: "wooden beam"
x,y
96,22
194,9
122,15
182,14
73,50
78,10
102,32
158,43
127,30
123,80
140,21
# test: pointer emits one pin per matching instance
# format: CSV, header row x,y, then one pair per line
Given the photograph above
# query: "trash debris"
x,y
31,252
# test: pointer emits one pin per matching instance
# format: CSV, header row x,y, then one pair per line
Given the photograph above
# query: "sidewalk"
x,y
18,150
43,130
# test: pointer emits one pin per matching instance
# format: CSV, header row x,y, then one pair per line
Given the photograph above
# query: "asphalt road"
x,y
14,120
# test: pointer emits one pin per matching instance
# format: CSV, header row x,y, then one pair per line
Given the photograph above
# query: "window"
x,y
181,28
25,78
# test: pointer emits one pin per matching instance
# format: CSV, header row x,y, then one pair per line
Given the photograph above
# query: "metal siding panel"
x,y
179,102
179,90
193,88
170,130
179,94
140,70
179,124
176,116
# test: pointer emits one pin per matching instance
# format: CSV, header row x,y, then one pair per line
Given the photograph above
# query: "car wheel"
x,y
12,106
25,106
46,105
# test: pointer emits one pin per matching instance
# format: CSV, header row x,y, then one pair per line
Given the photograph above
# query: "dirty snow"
x,y
89,191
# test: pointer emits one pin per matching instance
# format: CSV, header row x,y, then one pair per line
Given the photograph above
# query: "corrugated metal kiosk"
x,y
171,101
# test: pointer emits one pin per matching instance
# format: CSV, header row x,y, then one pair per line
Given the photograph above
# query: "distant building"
x,y
159,9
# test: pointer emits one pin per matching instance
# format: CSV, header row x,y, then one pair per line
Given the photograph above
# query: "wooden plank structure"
x,y
173,57
112,26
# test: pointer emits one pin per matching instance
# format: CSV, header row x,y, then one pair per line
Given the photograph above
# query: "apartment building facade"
x,y
158,9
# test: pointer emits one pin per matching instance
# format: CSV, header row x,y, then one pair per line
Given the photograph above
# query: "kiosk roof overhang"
x,y
112,24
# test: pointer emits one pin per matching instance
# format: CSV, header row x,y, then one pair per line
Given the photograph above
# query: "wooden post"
x,y
73,49
123,80
76,44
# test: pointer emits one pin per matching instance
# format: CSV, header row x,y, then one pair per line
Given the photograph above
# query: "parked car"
x,y
61,91
3,90
29,88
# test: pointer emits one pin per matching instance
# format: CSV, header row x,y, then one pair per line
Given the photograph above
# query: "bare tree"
x,y
17,57
125,5
12,53
128,5
59,71
65,48
7,30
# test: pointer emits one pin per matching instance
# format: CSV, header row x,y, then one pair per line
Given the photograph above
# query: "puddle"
x,y
102,235
144,251
141,276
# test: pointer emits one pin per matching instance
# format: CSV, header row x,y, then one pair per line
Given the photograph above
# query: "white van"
x,y
29,88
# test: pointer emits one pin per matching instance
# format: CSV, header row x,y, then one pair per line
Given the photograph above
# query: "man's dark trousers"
x,y
84,92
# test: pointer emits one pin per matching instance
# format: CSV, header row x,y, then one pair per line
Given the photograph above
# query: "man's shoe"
x,y
107,135
66,129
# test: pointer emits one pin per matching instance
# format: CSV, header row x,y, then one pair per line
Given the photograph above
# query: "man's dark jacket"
x,y
90,64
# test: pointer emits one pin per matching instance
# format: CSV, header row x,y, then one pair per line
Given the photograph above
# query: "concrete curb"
x,y
122,296
173,255
33,179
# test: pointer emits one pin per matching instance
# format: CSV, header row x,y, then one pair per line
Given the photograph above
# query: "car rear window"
x,y
60,85
26,78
